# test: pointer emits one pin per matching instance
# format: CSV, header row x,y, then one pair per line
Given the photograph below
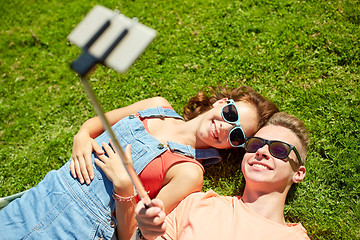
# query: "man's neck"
x,y
269,205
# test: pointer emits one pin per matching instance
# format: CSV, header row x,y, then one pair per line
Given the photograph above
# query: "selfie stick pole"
x,y
127,163
83,66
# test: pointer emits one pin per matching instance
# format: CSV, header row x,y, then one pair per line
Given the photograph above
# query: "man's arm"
x,y
151,221
154,224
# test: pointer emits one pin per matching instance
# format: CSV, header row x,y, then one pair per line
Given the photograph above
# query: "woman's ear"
x,y
220,102
299,174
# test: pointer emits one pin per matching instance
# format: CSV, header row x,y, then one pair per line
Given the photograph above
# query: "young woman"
x,y
167,153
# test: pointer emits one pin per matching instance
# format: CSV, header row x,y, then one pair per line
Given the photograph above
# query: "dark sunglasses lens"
x,y
279,150
253,144
230,114
237,137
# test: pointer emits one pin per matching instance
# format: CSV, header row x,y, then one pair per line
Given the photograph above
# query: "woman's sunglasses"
x,y
277,149
230,114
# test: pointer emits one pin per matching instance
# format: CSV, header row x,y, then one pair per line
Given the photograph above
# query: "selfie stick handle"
x,y
127,163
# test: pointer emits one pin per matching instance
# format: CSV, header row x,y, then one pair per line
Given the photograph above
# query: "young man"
x,y
273,162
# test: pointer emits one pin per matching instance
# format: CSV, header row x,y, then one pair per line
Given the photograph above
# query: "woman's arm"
x,y
184,178
124,193
94,126
84,143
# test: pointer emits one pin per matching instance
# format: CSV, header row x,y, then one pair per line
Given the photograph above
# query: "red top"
x,y
153,174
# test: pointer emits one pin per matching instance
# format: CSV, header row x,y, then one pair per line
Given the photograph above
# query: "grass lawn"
x,y
303,55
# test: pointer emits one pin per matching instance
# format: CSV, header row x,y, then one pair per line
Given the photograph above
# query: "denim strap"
x,y
159,112
208,156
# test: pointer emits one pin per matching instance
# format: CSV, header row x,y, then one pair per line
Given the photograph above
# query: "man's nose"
x,y
263,152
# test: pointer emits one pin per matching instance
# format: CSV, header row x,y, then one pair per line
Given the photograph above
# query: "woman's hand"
x,y
81,164
115,170
151,221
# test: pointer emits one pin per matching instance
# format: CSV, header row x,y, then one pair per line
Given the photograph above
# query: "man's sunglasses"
x,y
230,114
277,149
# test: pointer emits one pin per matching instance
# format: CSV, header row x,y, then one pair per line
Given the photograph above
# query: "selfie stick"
x,y
83,65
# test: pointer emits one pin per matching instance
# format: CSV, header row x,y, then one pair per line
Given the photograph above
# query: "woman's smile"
x,y
214,132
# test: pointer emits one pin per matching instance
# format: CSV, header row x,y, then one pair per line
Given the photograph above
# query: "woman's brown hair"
x,y
202,102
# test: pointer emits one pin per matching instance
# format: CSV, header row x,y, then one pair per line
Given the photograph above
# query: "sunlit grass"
x,y
303,55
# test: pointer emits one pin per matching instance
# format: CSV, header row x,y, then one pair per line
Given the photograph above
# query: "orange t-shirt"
x,y
210,216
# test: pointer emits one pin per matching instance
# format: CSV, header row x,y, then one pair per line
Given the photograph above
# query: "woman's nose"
x,y
225,129
227,126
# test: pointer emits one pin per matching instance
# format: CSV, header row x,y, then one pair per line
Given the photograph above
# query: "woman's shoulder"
x,y
142,105
158,102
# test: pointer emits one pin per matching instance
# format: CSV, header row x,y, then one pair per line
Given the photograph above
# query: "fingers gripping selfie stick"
x,y
112,39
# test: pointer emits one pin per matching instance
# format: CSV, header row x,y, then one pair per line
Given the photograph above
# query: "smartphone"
x,y
127,50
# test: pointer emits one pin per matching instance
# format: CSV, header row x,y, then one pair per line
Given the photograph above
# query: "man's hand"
x,y
151,221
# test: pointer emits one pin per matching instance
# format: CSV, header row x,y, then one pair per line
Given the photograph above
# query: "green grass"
x,y
303,55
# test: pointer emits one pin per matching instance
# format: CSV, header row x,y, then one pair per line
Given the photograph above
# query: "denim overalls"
x,y
59,207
